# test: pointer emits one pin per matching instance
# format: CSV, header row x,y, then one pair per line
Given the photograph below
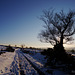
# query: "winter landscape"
x,y
37,37
26,62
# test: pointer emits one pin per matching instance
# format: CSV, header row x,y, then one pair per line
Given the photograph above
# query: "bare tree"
x,y
58,28
22,46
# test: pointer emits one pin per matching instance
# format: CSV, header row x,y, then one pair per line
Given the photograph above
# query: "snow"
x,y
15,62
39,57
39,61
26,66
14,67
5,61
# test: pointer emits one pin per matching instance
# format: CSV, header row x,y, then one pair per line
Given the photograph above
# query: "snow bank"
x,y
5,61
39,65
39,57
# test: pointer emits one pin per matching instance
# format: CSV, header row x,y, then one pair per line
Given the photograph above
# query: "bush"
x,y
47,52
25,51
1,53
49,55
59,57
10,49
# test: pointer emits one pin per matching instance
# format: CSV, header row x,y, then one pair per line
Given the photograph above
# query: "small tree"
x,y
72,51
59,27
22,46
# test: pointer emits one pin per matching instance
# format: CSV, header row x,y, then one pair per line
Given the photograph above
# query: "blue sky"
x,y
19,23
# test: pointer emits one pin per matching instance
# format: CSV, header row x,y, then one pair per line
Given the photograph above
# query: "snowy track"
x,y
39,72
19,63
27,67
38,67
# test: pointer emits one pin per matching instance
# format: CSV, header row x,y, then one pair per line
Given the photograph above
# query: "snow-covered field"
x,y
15,63
6,60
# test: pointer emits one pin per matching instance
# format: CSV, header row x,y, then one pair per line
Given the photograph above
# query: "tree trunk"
x,y
59,47
61,42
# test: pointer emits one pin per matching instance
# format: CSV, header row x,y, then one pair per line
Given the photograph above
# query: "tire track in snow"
x,y
26,68
34,66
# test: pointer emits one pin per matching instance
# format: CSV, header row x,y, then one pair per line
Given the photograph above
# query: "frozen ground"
x,y
39,60
25,66
16,64
5,61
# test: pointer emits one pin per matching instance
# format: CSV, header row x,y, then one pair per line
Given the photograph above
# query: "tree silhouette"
x,y
58,28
